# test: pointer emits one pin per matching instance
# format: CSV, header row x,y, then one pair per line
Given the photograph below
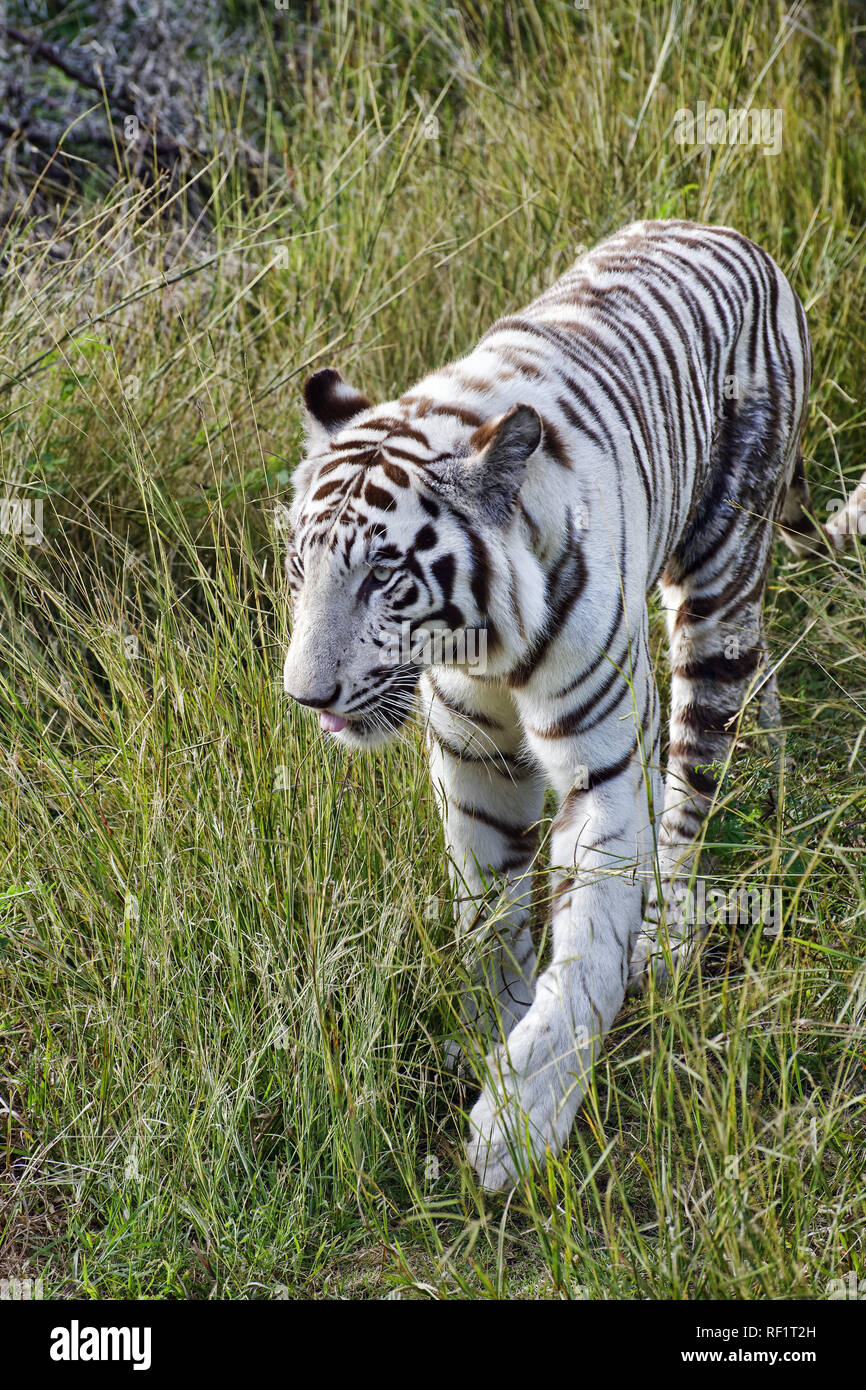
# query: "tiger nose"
x,y
315,701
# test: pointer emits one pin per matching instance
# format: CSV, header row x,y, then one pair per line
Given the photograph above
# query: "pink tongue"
x,y
331,722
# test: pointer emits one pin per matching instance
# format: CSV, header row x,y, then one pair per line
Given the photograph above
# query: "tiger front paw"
x,y
526,1107
497,1146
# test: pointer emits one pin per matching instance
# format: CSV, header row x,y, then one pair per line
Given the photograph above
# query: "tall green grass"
x,y
227,969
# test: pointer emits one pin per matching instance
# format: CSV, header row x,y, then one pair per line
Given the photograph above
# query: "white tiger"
x,y
638,424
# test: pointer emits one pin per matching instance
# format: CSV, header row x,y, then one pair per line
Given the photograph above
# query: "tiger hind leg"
x,y
715,659
712,591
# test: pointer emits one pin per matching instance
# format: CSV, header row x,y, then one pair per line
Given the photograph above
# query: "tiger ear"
x,y
331,403
488,481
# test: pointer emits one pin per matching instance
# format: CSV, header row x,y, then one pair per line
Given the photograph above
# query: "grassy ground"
x,y
226,966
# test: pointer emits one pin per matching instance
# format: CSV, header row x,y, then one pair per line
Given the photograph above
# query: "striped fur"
x,y
638,424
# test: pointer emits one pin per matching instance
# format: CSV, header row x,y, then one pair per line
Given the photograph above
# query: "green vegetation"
x,y
226,969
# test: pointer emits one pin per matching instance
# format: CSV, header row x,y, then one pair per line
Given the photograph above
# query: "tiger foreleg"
x,y
490,800
538,1078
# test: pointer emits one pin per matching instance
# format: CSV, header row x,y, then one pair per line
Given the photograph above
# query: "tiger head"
x,y
399,530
